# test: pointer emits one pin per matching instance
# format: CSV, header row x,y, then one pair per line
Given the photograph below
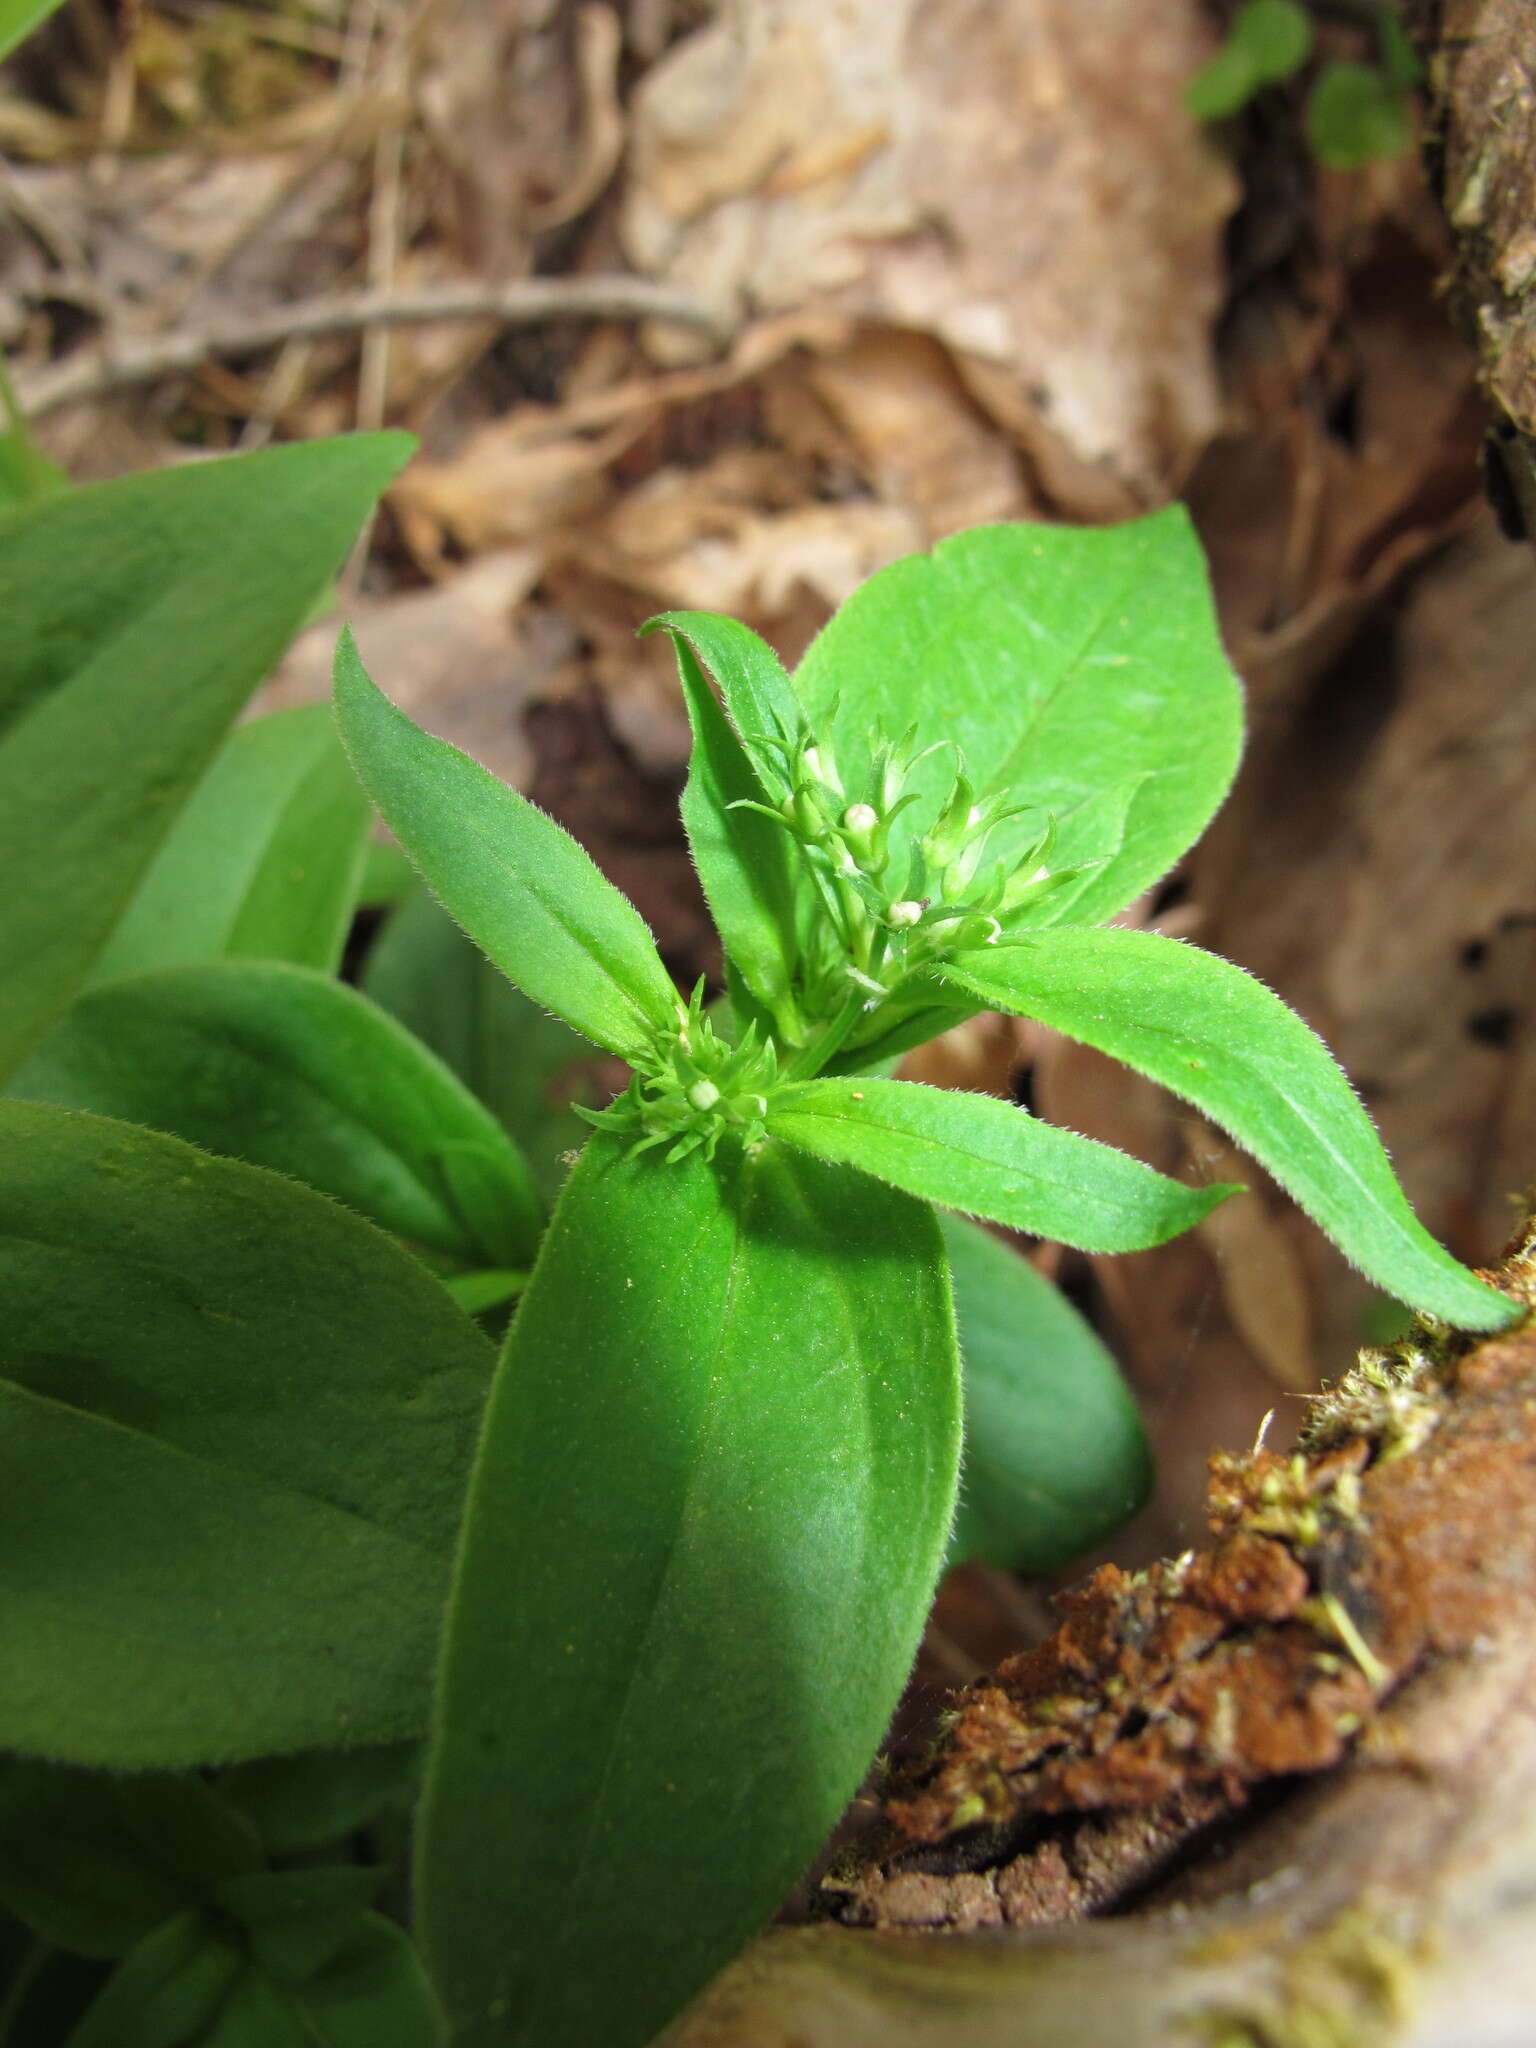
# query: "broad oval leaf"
x,y
527,1067
139,616
987,1158
718,1469
1223,1041
517,882
264,861
237,1424
290,1070
1062,661
1055,1454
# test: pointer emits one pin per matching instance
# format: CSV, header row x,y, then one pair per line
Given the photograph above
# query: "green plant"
x,y
261,1235
1356,112
717,1471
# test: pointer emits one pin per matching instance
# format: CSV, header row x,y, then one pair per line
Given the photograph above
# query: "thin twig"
x,y
119,364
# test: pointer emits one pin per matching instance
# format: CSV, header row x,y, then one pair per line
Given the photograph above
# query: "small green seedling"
x,y
1356,112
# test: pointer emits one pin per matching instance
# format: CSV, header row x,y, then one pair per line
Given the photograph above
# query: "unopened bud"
x,y
902,916
861,817
704,1094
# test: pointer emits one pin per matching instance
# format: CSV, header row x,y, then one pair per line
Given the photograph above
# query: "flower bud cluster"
x,y
694,1089
897,908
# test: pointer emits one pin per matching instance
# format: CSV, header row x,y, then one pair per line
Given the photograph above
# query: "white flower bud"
x,y
902,916
861,818
704,1094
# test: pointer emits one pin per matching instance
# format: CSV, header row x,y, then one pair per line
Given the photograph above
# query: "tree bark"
x,y
1481,60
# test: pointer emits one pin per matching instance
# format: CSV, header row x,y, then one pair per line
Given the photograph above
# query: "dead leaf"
x,y
976,171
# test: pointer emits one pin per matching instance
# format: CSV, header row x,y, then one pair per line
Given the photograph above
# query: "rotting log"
x,y
1279,1794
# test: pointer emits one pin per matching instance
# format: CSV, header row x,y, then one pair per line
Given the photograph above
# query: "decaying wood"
x,y
1482,74
1279,1794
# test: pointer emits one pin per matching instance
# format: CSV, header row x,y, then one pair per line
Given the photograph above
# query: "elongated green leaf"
x,y
264,861
718,1468
1055,1454
95,1863
758,694
236,1424
139,616
518,883
1224,1042
167,1992
524,1065
973,1153
1062,661
285,1068
743,858
18,18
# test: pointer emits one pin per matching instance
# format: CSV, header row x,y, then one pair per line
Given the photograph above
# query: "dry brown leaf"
x,y
922,441
991,172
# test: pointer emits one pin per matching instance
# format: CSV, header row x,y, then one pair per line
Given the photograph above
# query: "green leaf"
x,y
388,877
237,1423
1399,59
166,1992
1214,1035
1223,85
18,18
139,616
1277,36
1356,115
297,1921
1055,1454
264,861
373,1993
987,1158
302,1803
287,1069
524,1065
517,882
95,1863
1062,661
758,694
744,859
26,473
718,1467
1267,42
